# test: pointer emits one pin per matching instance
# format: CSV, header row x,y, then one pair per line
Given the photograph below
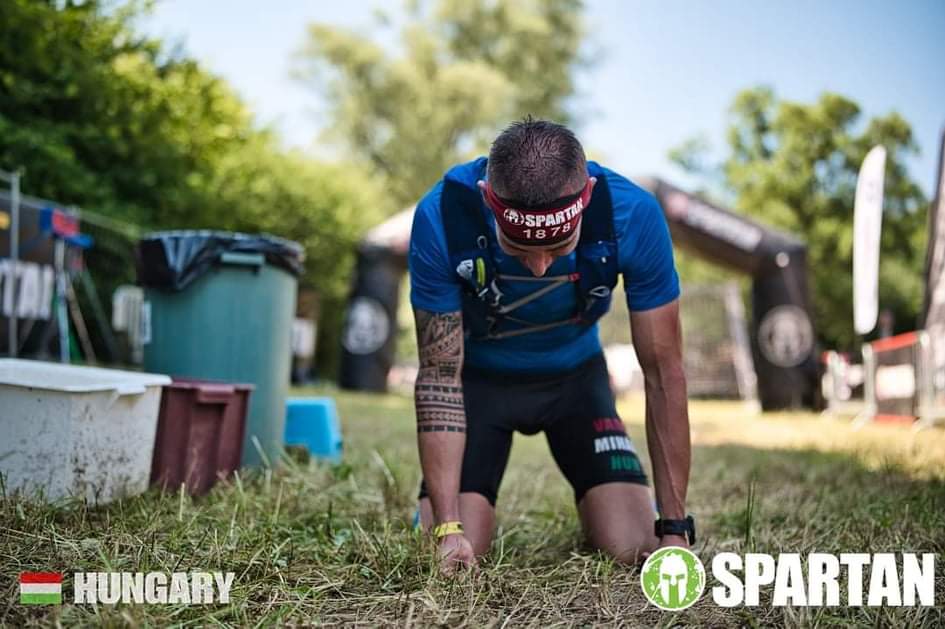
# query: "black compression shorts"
x,y
575,410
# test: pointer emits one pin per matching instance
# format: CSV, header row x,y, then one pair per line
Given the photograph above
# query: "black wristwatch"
x,y
686,528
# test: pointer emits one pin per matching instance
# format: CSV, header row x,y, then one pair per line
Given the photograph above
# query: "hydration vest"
x,y
486,311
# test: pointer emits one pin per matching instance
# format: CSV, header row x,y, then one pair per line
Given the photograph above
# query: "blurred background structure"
x,y
782,333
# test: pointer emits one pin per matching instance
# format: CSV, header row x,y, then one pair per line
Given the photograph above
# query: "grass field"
x,y
312,544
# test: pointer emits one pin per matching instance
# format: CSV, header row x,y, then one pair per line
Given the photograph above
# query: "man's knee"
x,y
627,551
618,520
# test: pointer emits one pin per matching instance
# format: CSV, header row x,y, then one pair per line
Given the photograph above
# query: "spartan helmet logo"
x,y
785,336
672,578
514,216
673,574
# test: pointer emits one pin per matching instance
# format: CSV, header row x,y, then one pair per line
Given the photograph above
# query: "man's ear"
x,y
481,184
593,181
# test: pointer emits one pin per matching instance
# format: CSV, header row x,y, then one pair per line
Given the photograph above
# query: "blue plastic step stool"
x,y
313,422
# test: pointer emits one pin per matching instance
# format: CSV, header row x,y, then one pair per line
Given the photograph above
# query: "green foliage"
x,y
103,118
794,166
465,69
98,120
324,207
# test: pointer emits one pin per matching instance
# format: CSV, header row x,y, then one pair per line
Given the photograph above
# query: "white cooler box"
x,y
76,431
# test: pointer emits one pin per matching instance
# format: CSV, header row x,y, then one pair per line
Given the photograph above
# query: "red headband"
x,y
541,227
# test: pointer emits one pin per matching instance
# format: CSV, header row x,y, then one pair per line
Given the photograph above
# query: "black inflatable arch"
x,y
782,332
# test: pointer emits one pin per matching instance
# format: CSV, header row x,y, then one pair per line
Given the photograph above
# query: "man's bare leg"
x,y
618,520
478,519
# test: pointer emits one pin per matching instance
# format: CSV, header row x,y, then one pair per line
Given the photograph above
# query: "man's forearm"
x,y
441,416
441,438
657,337
441,458
667,436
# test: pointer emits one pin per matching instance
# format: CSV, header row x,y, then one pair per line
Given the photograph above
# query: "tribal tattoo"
x,y
439,388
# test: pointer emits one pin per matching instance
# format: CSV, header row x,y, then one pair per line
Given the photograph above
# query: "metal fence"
x,y
716,345
904,378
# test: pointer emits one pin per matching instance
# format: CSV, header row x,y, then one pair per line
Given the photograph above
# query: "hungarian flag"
x,y
40,588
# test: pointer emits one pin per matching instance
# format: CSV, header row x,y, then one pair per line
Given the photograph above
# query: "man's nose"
x,y
538,263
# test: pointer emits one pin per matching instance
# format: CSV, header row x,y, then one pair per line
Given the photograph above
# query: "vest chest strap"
x,y
470,237
531,327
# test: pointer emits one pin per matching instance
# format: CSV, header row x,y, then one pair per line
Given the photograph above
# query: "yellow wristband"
x,y
447,528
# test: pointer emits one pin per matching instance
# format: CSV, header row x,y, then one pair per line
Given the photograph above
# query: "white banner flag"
x,y
867,225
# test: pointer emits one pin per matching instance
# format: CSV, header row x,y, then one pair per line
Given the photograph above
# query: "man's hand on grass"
x,y
455,551
670,540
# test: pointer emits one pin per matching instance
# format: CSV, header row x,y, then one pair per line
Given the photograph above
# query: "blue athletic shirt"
x,y
645,255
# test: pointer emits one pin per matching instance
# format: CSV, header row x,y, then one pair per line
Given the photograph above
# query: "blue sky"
x,y
667,70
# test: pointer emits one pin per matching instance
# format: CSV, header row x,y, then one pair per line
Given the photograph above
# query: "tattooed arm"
x,y
657,338
441,418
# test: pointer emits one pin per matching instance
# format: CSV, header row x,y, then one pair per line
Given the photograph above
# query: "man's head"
x,y
538,188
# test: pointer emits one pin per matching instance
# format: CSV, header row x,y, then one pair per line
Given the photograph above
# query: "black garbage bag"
x,y
174,259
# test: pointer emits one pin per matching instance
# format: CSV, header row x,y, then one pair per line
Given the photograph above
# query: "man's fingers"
x,y
452,566
456,559
456,554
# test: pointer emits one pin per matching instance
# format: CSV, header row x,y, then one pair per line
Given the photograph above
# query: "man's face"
x,y
538,259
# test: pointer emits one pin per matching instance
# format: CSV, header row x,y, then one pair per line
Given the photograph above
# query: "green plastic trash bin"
x,y
221,308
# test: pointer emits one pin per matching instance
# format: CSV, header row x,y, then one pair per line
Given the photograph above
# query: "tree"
x,y
467,68
794,166
101,117
324,207
111,121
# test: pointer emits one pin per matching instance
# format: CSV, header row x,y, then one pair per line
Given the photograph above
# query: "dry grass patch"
x,y
312,544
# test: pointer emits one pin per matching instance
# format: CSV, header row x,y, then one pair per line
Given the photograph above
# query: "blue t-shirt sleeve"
x,y
645,248
433,285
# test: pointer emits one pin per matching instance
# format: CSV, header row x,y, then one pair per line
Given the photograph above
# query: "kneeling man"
x,y
512,261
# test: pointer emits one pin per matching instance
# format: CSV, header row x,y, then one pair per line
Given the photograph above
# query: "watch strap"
x,y
685,528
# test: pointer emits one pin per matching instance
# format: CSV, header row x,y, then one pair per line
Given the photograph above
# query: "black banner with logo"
x,y
369,334
783,336
782,331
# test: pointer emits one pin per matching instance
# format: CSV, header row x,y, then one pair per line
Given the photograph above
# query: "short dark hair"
x,y
534,162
